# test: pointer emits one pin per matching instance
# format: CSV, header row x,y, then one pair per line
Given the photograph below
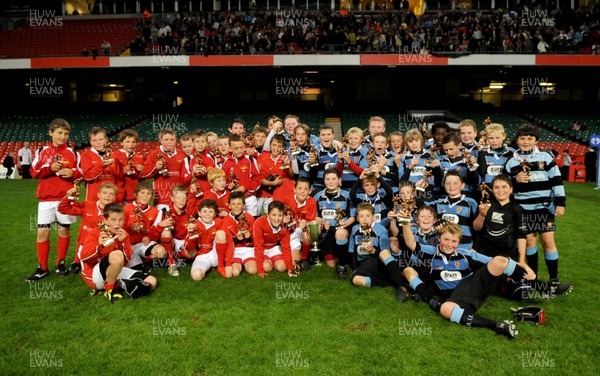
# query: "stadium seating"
x,y
69,39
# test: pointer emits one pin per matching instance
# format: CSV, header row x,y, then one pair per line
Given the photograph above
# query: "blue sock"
x,y
367,281
456,314
389,259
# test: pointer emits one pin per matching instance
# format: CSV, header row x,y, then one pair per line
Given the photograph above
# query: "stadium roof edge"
x,y
158,61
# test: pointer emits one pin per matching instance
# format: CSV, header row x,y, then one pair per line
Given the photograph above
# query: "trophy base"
x,y
403,220
109,242
194,237
168,229
314,165
163,172
474,167
130,173
284,167
199,194
72,198
420,189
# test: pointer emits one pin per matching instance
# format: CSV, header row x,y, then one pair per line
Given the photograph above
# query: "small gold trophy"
x,y
467,156
407,209
426,175
235,180
104,228
242,225
483,145
198,158
339,215
77,183
284,164
485,193
138,223
294,146
433,154
526,167
193,234
168,215
108,152
312,150
196,190
372,160
164,171
132,169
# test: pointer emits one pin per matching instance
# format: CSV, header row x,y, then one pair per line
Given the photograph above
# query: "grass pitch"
x,y
311,325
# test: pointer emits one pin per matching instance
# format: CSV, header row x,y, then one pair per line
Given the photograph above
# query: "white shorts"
x,y
263,204
48,214
274,253
252,206
177,244
139,253
206,261
126,273
243,254
296,239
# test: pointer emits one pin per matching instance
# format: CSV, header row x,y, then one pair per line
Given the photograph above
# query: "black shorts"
x,y
539,221
471,294
373,267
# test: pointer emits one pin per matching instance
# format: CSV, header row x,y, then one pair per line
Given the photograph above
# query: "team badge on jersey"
x,y
541,165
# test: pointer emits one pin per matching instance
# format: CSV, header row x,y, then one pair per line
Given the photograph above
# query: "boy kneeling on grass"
x,y
105,252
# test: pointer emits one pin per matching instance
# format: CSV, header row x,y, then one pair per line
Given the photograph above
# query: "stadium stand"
x,y
69,39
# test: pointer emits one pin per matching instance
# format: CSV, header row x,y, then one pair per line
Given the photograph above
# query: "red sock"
x,y
305,251
109,286
63,247
168,244
221,250
43,249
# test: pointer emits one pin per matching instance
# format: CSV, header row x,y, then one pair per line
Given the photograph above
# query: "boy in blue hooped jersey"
x,y
461,278
417,164
367,240
454,160
457,208
538,188
335,210
373,189
492,159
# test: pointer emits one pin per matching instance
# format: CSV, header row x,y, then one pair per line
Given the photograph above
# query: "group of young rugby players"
x,y
445,216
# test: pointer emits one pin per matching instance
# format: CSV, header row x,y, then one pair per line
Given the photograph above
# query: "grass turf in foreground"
x,y
311,325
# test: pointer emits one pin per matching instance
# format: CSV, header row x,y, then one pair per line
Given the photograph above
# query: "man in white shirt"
x,y
25,160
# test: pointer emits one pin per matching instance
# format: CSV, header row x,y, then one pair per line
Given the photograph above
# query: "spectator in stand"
x,y
106,48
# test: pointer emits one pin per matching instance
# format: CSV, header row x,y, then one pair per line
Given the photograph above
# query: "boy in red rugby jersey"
x,y
272,242
105,251
218,191
144,225
304,208
238,226
131,165
245,169
205,243
56,167
90,213
173,236
164,165
98,164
